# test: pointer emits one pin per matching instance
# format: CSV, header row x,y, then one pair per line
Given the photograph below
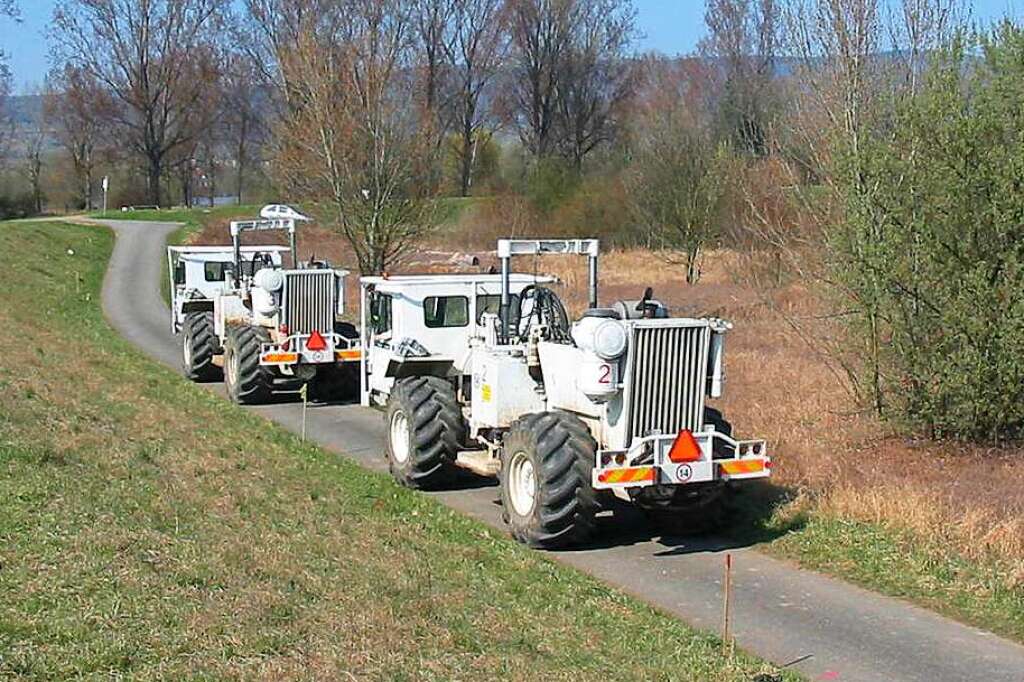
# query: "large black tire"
x,y
425,431
690,510
560,452
199,345
714,418
338,382
247,382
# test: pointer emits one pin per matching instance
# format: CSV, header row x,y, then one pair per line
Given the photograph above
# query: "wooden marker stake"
x,y
727,606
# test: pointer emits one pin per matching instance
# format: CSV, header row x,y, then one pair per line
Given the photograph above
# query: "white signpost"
x,y
106,186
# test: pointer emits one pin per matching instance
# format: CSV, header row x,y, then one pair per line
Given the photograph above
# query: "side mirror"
x,y
642,303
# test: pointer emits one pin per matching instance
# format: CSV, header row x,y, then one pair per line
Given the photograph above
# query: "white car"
x,y
282,212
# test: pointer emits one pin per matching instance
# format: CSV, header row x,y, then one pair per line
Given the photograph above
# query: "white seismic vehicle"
x,y
488,372
267,327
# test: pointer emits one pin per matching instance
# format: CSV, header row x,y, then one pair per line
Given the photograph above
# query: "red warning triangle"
x,y
316,342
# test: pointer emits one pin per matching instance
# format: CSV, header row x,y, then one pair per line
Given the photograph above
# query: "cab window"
x,y
214,272
491,303
380,314
446,311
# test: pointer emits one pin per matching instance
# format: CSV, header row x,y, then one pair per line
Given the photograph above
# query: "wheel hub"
x,y
522,484
400,437
232,367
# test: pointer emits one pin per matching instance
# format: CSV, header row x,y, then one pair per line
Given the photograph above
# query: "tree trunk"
x,y
155,173
213,184
88,184
186,187
240,181
243,135
468,152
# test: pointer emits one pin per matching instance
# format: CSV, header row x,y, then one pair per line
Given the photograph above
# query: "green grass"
x,y
149,529
193,217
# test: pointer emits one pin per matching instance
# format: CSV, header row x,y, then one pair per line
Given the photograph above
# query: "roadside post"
x,y
727,607
106,187
304,392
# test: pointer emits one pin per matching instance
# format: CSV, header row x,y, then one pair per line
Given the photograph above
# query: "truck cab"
x,y
427,324
199,274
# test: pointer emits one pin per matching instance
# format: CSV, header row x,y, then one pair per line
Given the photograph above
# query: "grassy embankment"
x,y
150,529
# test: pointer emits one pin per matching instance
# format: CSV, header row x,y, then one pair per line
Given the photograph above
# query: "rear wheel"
x,y
247,382
339,381
688,509
546,466
425,430
199,345
336,382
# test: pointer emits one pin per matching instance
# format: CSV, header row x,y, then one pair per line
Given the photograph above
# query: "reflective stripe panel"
x,y
742,466
348,354
280,357
628,475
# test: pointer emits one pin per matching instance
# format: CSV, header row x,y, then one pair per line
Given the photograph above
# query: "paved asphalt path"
x,y
824,628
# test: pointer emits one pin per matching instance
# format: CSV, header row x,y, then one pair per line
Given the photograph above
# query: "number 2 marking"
x,y
606,374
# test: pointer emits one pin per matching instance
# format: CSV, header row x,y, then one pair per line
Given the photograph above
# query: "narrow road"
x,y
824,628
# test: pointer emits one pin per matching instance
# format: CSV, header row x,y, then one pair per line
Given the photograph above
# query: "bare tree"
x,y
433,24
852,57
32,157
743,39
919,27
350,137
570,72
676,185
540,31
76,107
157,58
597,76
243,121
271,30
9,9
476,53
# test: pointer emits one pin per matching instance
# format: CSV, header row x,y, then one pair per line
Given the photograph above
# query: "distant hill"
x,y
25,109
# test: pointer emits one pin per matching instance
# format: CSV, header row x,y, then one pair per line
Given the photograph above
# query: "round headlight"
x,y
271,280
610,340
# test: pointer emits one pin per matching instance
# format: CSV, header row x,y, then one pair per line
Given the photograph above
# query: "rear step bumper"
x,y
293,351
648,462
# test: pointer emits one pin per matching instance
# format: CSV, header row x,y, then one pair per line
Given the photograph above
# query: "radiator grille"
x,y
309,301
668,379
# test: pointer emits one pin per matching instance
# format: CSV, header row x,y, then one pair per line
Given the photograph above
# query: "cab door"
x,y
379,348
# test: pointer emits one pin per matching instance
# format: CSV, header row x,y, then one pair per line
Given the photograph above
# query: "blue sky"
x,y
670,26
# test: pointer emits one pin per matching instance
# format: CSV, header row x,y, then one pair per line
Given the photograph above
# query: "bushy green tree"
x,y
928,259
677,187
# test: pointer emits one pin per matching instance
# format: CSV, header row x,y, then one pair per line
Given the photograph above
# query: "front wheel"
x,y
546,492
247,382
198,346
425,430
